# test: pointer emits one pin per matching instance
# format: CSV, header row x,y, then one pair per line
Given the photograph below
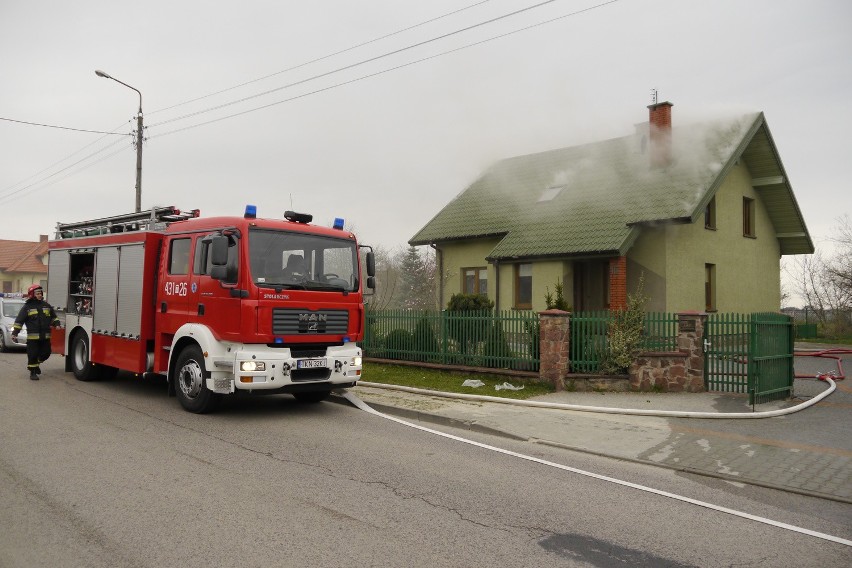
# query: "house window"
x,y
748,217
523,286
7,286
475,280
710,287
710,214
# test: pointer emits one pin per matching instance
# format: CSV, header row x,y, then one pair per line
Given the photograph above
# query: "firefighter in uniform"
x,y
39,317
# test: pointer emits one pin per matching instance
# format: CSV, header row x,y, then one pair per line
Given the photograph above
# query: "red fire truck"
x,y
217,305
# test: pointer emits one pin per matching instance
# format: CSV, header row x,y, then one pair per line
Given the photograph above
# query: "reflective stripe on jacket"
x,y
38,316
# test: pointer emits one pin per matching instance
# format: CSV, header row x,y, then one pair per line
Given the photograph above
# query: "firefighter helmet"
x,y
32,290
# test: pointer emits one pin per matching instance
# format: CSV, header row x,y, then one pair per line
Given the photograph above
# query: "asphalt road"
x,y
116,474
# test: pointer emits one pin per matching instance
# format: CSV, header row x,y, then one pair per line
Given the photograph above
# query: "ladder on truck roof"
x,y
152,219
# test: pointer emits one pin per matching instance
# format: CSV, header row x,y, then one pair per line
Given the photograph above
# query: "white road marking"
x,y
358,403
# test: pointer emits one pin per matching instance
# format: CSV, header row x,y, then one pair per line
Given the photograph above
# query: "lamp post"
x,y
100,73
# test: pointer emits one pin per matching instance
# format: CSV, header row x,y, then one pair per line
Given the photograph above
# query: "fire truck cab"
x,y
217,305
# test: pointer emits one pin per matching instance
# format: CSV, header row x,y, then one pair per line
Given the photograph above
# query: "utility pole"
x,y
100,73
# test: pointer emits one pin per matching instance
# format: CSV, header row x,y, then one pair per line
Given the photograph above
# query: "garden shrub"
x,y
624,334
399,343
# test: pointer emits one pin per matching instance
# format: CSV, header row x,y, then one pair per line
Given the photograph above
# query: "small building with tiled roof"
x,y
22,263
701,213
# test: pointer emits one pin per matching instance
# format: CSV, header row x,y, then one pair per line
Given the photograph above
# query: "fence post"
x,y
554,336
690,338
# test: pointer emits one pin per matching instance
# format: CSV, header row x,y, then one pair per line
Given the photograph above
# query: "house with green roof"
x,y
702,214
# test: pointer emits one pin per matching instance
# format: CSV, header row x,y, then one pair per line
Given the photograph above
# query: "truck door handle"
x,y
163,308
201,309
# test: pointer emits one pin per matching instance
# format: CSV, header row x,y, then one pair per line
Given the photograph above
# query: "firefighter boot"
x,y
33,375
38,370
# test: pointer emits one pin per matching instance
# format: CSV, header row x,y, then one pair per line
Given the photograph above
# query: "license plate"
x,y
310,363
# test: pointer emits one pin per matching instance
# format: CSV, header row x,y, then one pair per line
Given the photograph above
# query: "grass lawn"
x,y
841,341
433,379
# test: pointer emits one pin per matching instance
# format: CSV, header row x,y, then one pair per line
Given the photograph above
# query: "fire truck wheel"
x,y
312,397
190,389
83,369
3,347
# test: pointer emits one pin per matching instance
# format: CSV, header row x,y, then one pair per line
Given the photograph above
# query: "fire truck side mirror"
x,y
219,251
371,282
371,265
218,257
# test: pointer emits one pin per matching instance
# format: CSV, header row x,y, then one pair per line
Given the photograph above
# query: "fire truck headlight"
x,y
356,361
252,366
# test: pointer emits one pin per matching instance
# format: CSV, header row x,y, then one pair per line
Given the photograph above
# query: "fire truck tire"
x,y
81,366
312,397
3,347
190,389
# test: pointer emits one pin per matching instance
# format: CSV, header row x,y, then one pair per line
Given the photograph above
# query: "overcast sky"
x,y
387,148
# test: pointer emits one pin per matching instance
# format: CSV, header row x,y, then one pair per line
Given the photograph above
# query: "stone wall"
x,y
679,371
676,371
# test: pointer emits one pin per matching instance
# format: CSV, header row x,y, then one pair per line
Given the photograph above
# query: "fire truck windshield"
x,y
283,259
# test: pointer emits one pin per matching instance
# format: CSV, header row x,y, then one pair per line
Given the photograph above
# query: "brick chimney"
x,y
660,119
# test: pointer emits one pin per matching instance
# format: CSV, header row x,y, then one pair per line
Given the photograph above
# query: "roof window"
x,y
549,193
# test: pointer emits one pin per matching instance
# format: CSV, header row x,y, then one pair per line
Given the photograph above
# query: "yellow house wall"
x,y
22,281
672,258
747,269
545,275
468,254
647,258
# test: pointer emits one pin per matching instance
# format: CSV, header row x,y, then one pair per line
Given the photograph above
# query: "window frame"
x,y
748,218
478,272
710,214
710,287
518,304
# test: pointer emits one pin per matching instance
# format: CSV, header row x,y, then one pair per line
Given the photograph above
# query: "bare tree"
x,y
825,283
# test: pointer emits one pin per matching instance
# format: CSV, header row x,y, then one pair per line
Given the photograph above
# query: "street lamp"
x,y
100,73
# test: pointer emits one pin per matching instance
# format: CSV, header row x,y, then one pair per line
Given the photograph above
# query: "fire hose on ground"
x,y
835,354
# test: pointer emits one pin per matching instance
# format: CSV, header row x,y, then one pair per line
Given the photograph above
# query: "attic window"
x,y
549,193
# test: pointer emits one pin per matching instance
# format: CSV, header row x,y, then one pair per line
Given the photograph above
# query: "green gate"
x,y
771,359
750,354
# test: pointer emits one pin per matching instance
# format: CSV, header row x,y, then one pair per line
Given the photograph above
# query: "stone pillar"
x,y
554,338
690,340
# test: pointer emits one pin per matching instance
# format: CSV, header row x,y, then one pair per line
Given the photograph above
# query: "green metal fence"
x,y
749,353
726,343
588,340
589,333
502,340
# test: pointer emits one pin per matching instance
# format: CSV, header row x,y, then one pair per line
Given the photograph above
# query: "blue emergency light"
x,y
338,223
251,212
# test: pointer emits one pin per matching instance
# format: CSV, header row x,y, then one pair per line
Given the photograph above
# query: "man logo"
x,y
313,317
312,322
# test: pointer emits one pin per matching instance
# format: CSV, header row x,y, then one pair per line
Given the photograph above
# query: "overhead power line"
x,y
15,194
62,127
370,75
51,166
322,58
371,59
4,190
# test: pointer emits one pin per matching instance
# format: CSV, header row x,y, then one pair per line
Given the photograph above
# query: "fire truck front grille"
x,y
293,321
